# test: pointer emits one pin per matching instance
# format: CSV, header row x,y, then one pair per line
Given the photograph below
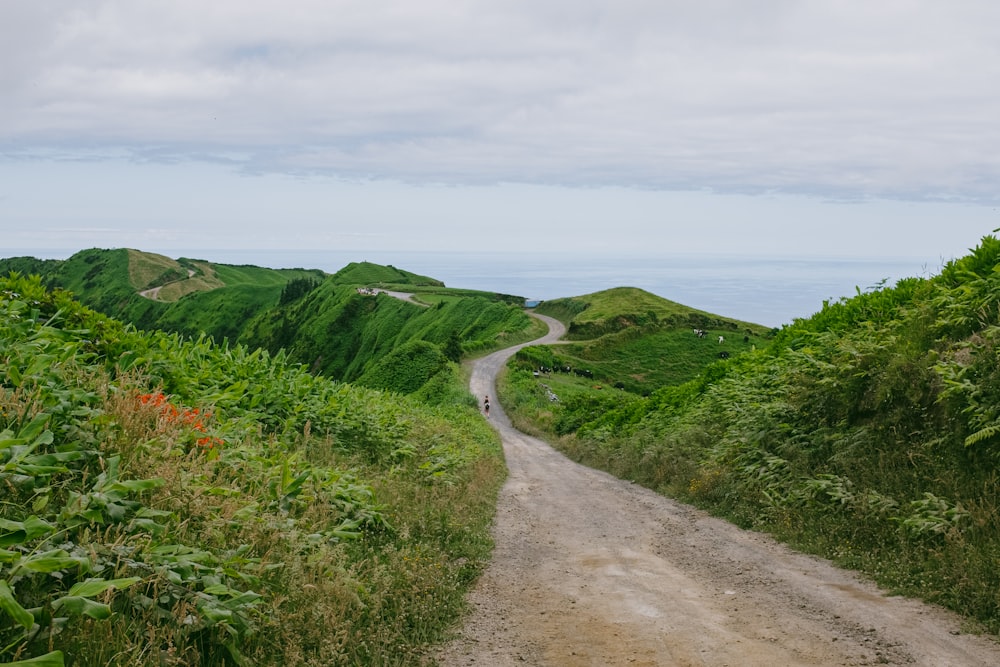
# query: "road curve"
x,y
592,570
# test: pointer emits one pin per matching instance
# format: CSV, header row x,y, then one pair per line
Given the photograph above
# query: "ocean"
x,y
770,291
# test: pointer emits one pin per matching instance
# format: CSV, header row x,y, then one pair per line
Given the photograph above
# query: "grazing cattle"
x,y
723,355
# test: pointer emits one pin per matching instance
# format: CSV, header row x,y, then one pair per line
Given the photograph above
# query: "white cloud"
x,y
841,99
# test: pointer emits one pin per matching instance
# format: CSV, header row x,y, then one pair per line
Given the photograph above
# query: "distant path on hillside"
x,y
153,293
592,570
403,296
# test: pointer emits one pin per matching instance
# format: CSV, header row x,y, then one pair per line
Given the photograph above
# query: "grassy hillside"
x,y
593,315
172,502
640,342
375,275
341,333
868,433
322,320
189,296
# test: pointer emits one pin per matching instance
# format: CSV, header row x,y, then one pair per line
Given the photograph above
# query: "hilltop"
x,y
189,296
628,339
592,315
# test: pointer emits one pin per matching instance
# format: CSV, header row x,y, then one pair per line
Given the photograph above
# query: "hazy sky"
x,y
782,127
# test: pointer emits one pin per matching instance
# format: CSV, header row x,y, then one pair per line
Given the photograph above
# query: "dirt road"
x,y
592,570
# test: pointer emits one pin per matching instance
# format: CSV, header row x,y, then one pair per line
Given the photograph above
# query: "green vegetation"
x,y
197,503
642,342
593,315
187,296
335,324
342,333
868,433
386,277
177,502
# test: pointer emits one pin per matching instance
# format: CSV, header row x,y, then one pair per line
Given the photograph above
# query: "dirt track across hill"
x,y
590,570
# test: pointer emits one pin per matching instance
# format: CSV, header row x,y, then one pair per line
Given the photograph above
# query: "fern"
x,y
982,434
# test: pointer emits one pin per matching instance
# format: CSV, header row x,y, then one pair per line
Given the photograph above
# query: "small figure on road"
x,y
486,406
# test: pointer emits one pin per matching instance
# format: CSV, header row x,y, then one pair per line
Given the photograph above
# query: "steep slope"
x,y
152,291
340,332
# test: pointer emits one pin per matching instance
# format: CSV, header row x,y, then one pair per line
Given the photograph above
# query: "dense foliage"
x,y
170,502
869,433
348,334
151,291
335,324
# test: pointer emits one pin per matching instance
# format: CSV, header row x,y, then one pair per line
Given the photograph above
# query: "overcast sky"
x,y
785,127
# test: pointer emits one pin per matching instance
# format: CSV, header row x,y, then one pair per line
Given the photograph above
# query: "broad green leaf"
x,y
10,605
128,359
32,470
242,600
147,525
7,439
36,527
21,532
53,659
35,429
82,607
214,614
13,537
92,587
53,561
221,589
14,375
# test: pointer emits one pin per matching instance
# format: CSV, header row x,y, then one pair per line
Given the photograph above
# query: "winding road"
x,y
592,570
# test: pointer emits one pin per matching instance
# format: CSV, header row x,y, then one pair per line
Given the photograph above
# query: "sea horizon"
x,y
770,291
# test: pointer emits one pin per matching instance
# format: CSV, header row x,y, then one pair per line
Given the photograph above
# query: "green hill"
x,y
341,332
632,340
339,325
375,275
189,296
593,315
